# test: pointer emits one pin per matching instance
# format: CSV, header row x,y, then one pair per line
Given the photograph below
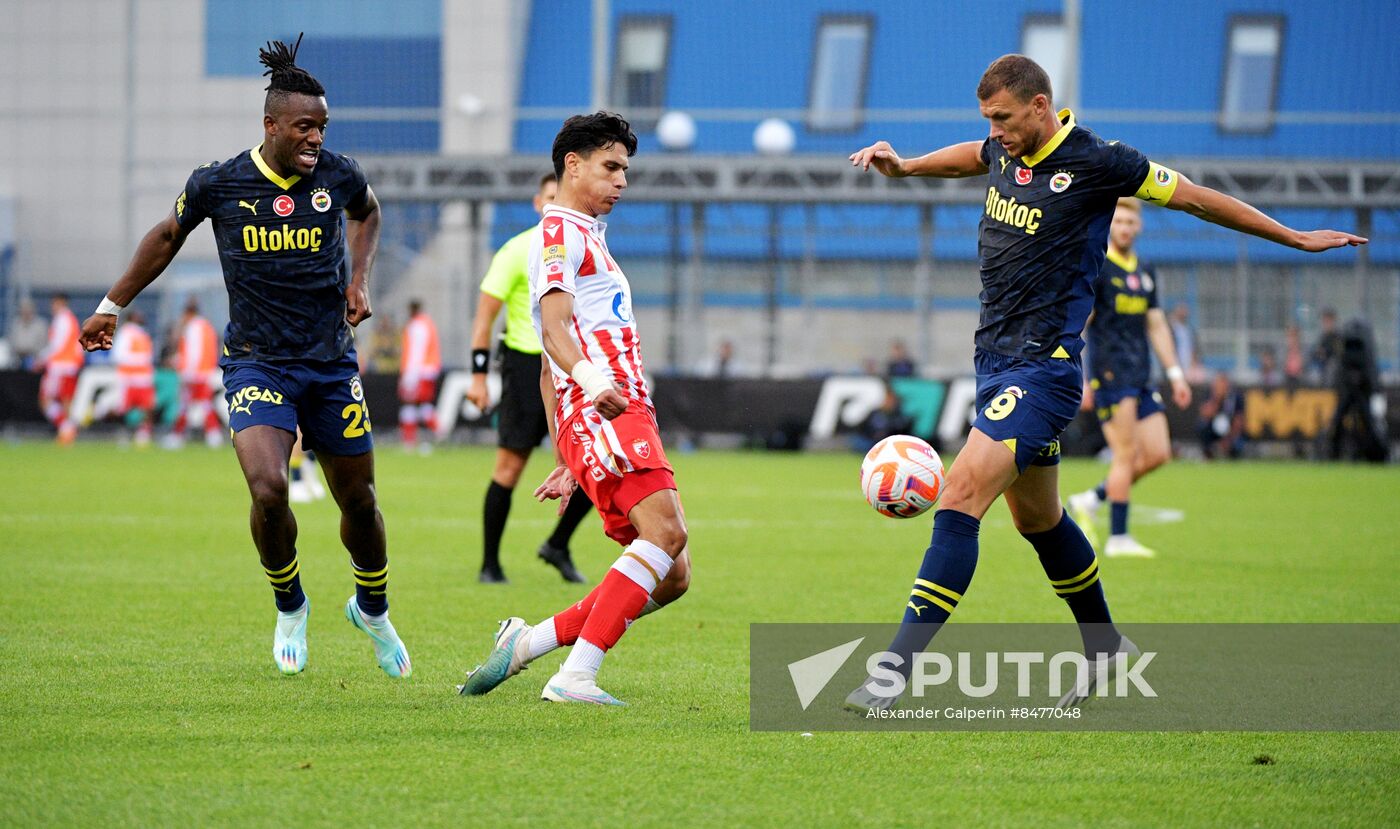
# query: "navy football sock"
x,y
1069,562
1118,517
286,585
944,576
371,588
1102,491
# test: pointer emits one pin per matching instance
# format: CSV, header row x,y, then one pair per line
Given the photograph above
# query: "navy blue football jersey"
x,y
1043,234
1118,349
282,247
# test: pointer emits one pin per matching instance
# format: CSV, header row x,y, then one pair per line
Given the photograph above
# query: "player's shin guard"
x,y
1069,562
286,586
371,589
620,599
943,577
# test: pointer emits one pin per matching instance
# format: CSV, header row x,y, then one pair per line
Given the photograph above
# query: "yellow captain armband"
x,y
1159,185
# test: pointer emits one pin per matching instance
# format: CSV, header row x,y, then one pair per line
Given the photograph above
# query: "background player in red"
x,y
196,360
133,352
605,433
418,377
60,361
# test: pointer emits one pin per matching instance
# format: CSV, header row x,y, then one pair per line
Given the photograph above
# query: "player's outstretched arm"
x,y
1228,211
363,232
1159,333
556,320
153,255
956,161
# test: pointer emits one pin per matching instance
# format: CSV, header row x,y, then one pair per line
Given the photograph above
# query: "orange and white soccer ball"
x,y
901,476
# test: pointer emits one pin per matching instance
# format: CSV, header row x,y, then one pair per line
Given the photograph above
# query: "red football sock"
x,y
619,601
569,621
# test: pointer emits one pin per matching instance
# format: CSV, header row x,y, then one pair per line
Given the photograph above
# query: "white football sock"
x,y
585,657
543,639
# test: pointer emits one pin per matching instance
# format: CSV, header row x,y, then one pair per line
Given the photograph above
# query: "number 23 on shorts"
x,y
358,415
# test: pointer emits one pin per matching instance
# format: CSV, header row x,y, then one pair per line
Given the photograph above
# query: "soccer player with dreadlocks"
x,y
297,228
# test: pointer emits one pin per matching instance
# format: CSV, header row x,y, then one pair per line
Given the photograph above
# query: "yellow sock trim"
x,y
296,568
1087,571
957,597
923,595
282,571
1065,591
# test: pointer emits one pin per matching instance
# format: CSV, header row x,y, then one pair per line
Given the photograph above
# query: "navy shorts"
x,y
1026,404
326,399
1107,398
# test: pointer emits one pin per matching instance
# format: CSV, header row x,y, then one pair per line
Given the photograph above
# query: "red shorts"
x,y
59,383
617,463
142,398
195,391
425,391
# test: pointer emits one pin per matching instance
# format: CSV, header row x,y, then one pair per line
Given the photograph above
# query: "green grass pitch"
x,y
138,688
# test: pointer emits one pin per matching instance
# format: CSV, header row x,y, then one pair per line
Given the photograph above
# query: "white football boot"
x,y
509,656
577,686
1101,671
1127,546
289,640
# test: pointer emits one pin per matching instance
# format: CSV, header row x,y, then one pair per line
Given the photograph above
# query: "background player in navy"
x,y
1127,316
1052,188
279,214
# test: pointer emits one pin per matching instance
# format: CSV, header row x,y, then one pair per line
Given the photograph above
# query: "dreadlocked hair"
x,y
287,77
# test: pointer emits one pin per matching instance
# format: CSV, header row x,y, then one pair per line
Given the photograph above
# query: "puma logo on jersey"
x,y
1004,162
253,207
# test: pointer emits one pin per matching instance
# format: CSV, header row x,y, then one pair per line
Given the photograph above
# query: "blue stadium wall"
x,y
1166,56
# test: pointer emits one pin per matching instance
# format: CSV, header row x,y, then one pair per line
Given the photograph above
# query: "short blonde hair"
x,y
1131,204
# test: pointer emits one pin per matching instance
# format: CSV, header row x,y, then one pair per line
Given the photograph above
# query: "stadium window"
x,y
1249,88
639,68
840,65
1043,41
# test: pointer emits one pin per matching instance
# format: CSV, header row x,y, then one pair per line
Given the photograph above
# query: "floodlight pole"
x,y
1073,21
601,20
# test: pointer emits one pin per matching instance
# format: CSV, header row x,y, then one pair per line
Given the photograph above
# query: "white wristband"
x,y
590,379
1175,373
108,307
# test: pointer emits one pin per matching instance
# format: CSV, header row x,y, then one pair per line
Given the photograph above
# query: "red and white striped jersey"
x,y
568,253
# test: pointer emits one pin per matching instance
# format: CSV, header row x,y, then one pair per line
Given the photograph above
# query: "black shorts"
x,y
520,418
